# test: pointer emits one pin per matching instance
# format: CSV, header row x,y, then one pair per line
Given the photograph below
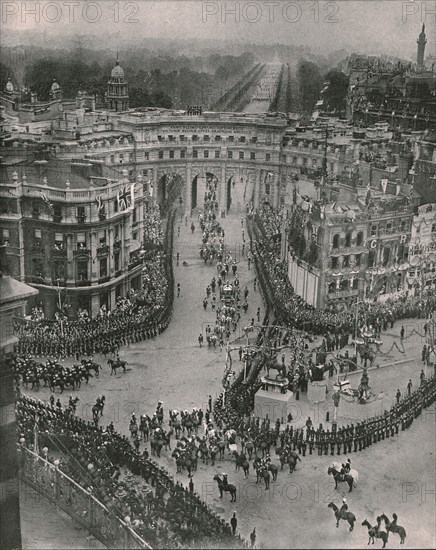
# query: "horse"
x,y
353,473
374,533
288,457
229,488
274,471
117,364
249,447
394,528
242,462
342,514
90,365
338,477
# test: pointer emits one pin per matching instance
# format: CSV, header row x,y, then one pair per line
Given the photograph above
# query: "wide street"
x,y
395,475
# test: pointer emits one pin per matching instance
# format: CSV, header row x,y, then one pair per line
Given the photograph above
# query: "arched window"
x,y
348,239
336,241
360,238
332,287
344,284
371,258
386,255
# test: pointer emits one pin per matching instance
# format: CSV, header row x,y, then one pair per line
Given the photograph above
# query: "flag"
x,y
100,203
126,198
46,200
150,188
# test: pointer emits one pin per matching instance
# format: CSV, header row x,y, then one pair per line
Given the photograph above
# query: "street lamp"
x,y
365,346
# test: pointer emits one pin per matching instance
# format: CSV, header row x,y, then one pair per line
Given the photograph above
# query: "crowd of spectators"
x,y
167,516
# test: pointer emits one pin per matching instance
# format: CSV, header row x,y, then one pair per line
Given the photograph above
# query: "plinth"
x,y
273,400
316,391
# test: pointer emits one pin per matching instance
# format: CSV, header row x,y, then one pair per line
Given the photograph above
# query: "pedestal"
x,y
316,391
273,405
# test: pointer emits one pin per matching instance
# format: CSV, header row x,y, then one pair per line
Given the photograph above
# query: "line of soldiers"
x,y
356,437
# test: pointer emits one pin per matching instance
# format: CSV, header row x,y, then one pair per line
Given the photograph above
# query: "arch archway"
x,y
230,184
169,187
204,185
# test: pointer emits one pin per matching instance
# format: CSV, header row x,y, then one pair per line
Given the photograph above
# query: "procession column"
x,y
257,189
223,188
188,197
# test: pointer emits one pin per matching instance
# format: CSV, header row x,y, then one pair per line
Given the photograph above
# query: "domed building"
x,y
117,97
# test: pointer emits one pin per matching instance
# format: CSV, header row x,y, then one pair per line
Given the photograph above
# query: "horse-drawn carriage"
x,y
227,294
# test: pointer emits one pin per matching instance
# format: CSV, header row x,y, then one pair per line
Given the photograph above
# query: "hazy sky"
x,y
389,26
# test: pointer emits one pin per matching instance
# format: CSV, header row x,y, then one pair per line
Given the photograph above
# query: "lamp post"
x,y
364,345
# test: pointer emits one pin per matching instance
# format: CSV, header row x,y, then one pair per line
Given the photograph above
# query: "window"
x,y
206,138
433,228
252,156
59,241
121,157
171,138
254,139
374,230
359,240
217,154
346,261
161,154
146,156
241,155
117,261
388,227
268,157
344,284
386,255
217,138
103,267
112,159
332,287
171,154
135,236
181,137
336,241
242,139
267,188
160,138
81,241
231,139
358,259
38,239
35,209
182,154
348,239
194,138
206,154
371,258
116,205
37,268
82,270
58,270
131,157
5,237
81,216
335,262
195,153
229,154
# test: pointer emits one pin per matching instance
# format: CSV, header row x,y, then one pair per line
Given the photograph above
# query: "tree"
x,y
336,94
310,82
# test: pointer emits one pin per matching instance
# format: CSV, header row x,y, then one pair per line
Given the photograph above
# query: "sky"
x,y
369,26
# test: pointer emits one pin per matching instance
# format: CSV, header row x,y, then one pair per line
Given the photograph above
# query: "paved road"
x,y
293,513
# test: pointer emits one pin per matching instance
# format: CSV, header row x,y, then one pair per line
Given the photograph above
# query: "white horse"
x,y
353,473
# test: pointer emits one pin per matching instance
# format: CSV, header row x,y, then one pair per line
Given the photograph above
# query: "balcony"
x,y
117,244
82,252
343,294
58,251
104,279
37,279
103,250
134,263
58,281
83,282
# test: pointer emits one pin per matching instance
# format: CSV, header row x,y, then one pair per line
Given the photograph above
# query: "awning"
x,y
134,245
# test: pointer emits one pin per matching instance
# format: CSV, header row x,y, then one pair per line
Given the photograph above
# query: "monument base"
x,y
273,405
316,391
